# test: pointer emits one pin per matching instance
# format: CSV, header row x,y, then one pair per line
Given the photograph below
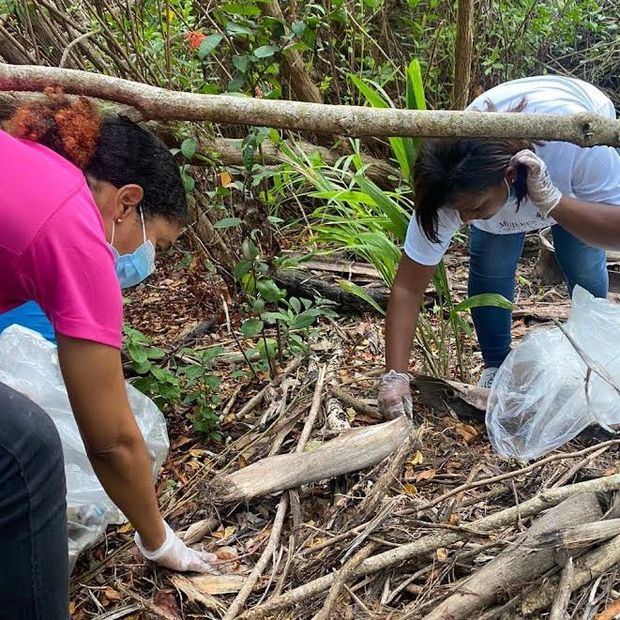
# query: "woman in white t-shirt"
x,y
503,188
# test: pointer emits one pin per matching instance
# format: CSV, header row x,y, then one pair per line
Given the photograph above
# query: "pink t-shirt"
x,y
53,248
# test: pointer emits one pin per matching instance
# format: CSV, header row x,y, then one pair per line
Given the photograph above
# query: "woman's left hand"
x,y
540,188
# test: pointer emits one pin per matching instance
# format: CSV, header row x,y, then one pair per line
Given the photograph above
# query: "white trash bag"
x,y
29,364
538,401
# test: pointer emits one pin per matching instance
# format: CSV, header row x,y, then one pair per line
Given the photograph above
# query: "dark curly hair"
x,y
110,148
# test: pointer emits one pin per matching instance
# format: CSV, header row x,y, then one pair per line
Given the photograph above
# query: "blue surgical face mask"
x,y
136,266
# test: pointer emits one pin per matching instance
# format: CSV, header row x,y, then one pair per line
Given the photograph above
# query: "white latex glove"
x,y
540,189
176,555
395,395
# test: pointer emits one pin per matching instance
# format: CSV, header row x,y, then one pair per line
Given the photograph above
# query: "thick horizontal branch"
x,y
229,151
157,103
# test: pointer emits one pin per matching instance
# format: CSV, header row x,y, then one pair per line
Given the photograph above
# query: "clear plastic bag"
x,y
538,401
29,364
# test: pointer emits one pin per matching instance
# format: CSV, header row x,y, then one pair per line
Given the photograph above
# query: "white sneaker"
x,y
487,377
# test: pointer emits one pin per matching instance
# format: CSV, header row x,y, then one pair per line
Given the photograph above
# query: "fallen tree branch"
x,y
562,597
354,450
587,568
519,564
430,543
585,129
343,576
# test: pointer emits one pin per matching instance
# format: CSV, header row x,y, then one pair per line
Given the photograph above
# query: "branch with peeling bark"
x,y
352,451
426,544
585,129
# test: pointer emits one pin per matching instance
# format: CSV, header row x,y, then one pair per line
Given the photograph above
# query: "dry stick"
x,y
257,571
430,543
512,474
564,478
256,399
351,401
314,411
344,574
587,567
592,364
274,538
584,129
562,597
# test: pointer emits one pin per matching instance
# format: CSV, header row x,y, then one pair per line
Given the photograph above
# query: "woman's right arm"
x,y
116,449
403,308
402,317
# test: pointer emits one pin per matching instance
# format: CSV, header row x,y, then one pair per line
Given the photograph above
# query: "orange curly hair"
x,y
69,127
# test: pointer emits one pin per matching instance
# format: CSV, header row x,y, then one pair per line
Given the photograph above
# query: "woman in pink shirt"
x,y
84,203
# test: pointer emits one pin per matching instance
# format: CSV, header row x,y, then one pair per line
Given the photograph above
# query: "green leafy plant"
x,y
156,382
201,391
280,323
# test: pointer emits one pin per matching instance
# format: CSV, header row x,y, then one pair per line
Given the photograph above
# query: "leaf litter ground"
x,y
324,522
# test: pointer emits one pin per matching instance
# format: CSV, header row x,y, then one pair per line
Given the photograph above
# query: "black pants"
x,y
34,566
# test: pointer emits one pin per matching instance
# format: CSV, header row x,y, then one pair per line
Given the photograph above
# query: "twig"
x,y
231,402
232,333
314,411
429,543
344,574
257,398
73,43
512,474
564,478
351,401
250,582
562,596
592,364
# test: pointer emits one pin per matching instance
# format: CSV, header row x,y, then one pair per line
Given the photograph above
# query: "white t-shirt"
x,y
591,174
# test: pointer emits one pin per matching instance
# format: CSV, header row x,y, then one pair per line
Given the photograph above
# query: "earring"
x,y
119,220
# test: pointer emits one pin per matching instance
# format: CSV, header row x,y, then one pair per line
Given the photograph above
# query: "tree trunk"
x,y
463,54
584,129
293,66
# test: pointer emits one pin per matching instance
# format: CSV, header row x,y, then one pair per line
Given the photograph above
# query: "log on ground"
x,y
354,450
520,564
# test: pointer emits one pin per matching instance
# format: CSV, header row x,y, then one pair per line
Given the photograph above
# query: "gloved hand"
x,y
176,555
395,395
540,189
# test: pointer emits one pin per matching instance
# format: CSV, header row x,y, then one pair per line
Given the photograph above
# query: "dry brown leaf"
x,y
466,432
225,179
225,532
409,489
111,594
427,474
416,459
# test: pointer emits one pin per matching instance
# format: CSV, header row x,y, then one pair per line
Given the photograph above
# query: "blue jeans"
x,y
492,265
34,561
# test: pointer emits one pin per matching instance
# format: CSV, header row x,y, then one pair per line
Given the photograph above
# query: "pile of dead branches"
x,y
318,509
